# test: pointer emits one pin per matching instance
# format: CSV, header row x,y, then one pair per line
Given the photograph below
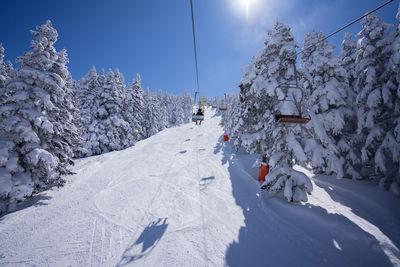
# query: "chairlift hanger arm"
x,y
194,46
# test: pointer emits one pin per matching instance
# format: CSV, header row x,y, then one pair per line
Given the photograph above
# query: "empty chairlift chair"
x,y
291,118
223,107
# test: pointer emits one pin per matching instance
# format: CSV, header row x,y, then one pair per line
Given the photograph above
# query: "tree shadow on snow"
x,y
383,208
219,147
146,242
277,233
35,201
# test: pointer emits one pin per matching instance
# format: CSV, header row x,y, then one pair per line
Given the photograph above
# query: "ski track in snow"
x,y
185,198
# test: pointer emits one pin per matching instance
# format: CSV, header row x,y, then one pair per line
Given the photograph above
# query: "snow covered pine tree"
x,y
112,129
88,96
378,103
231,119
151,119
133,111
5,68
186,102
350,142
37,130
393,69
265,91
326,81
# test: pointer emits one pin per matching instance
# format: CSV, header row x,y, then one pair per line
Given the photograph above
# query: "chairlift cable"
x,y
194,46
344,27
194,116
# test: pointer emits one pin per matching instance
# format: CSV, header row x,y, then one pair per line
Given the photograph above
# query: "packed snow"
x,y
183,197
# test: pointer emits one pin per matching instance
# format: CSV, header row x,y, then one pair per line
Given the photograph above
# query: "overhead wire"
x,y
344,27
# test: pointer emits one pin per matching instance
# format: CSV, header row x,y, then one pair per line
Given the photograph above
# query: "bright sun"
x,y
246,4
244,8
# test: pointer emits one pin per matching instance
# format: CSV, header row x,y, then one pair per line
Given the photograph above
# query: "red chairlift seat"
x,y
214,106
290,118
222,109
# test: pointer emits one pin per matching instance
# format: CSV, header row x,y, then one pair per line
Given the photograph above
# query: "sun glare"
x,y
244,5
246,9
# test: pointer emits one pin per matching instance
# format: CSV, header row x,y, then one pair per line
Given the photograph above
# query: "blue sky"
x,y
154,37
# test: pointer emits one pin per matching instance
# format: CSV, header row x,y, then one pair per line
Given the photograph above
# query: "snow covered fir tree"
x,y
5,68
325,79
38,132
134,110
46,118
268,87
378,103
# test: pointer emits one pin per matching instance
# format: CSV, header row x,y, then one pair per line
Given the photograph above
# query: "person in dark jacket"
x,y
199,112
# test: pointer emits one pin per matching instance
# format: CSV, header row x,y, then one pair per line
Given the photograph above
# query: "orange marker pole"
x,y
264,169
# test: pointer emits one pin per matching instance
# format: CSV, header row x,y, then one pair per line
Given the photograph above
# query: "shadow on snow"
x,y
205,182
277,233
35,201
146,242
343,192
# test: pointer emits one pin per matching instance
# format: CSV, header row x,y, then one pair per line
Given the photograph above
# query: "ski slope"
x,y
185,198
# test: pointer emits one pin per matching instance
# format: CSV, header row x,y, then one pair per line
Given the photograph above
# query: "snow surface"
x,y
184,198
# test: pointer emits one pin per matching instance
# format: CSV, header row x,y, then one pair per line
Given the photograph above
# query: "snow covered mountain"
x,y
183,197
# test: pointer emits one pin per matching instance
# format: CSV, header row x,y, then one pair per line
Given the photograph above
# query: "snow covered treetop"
x,y
273,63
137,82
1,52
373,27
43,54
46,30
91,73
312,41
348,41
281,38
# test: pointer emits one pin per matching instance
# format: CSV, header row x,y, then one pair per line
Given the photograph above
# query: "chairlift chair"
x,y
291,118
197,117
223,108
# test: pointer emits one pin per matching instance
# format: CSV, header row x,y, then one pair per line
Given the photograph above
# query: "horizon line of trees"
x,y
47,119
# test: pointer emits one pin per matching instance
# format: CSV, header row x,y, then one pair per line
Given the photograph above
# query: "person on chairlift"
x,y
199,112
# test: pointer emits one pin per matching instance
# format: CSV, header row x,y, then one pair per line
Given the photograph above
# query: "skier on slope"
x,y
199,112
